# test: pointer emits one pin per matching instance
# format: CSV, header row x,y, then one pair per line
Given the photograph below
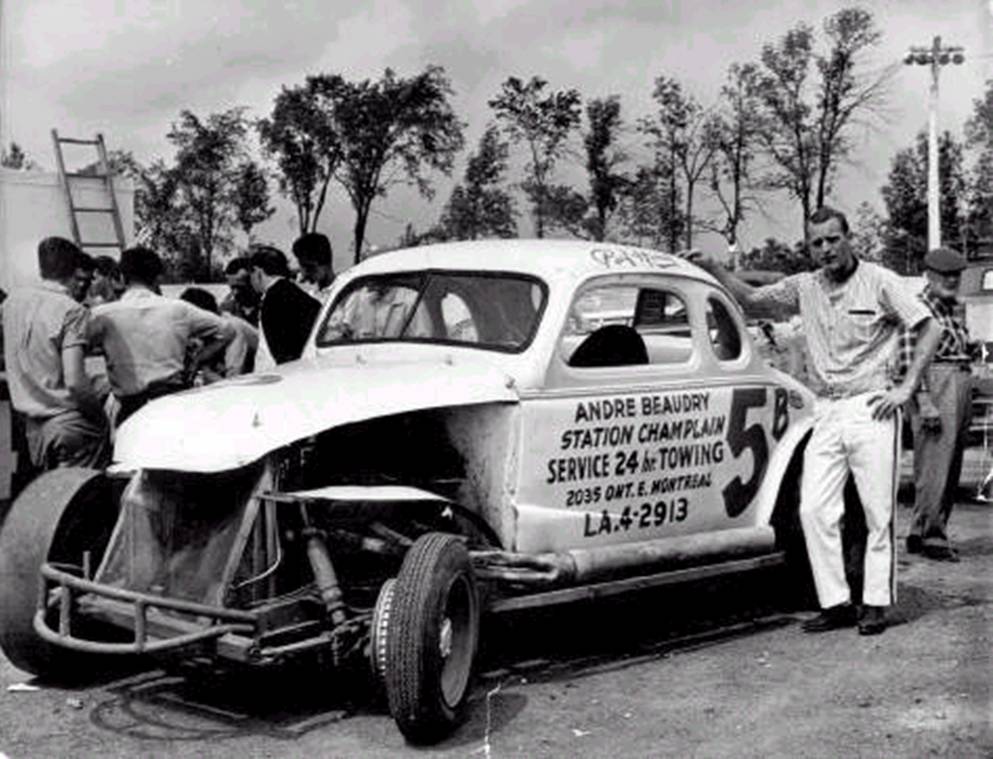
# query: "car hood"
x,y
235,422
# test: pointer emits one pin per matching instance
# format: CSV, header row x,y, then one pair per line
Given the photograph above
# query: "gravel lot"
x,y
702,671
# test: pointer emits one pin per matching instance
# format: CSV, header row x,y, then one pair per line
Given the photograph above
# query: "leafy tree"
x,y
811,100
15,158
869,232
566,208
905,196
687,135
978,223
736,129
209,154
251,197
649,212
778,256
160,218
479,206
303,139
543,123
603,157
390,131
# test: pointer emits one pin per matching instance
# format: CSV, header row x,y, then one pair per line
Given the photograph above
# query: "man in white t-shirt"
x,y
853,312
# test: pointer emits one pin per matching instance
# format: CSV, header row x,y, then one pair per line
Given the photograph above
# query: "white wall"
x,y
979,318
33,206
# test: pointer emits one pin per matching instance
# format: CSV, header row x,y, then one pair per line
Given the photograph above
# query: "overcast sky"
x,y
127,67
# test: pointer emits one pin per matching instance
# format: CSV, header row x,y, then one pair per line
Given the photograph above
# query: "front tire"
x,y
431,638
58,517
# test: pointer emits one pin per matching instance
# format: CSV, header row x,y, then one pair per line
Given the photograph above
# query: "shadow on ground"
x,y
552,644
563,642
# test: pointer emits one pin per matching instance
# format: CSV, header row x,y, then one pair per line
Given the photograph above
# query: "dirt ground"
x,y
702,671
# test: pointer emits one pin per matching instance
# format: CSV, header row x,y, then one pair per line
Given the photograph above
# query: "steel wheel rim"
x,y
456,640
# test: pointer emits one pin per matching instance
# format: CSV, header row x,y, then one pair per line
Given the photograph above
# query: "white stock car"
x,y
474,427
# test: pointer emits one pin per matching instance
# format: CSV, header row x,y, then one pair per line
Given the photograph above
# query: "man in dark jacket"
x,y
287,313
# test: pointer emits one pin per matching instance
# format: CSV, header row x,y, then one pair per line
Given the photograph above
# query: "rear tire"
x,y
798,583
60,515
431,638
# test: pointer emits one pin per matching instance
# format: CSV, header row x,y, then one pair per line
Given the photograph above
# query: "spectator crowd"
x,y
85,308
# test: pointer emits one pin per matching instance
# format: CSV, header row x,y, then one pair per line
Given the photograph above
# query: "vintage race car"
x,y
474,427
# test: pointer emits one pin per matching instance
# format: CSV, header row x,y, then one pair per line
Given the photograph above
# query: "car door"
x,y
656,419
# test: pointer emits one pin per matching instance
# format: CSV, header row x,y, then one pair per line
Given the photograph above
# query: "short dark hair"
x,y
57,258
85,261
825,214
141,265
107,266
201,299
270,260
314,248
235,265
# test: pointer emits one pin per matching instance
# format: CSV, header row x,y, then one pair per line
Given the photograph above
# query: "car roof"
x,y
555,261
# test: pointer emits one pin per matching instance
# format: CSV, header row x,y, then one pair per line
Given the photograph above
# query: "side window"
x,y
723,330
627,326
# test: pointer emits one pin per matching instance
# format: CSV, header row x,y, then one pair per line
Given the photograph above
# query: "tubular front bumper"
x,y
212,622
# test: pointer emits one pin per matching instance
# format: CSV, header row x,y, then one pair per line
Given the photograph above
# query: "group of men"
x,y
151,345
873,348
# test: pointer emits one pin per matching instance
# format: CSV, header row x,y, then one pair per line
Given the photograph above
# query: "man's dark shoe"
x,y
872,620
831,618
914,544
940,553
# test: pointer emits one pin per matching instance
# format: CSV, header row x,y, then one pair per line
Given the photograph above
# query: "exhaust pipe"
x,y
582,565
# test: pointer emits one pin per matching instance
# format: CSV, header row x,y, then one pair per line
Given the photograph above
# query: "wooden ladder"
x,y
75,211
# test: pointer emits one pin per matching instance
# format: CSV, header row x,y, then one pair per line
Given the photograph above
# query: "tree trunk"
x,y
601,230
539,213
689,216
805,204
319,206
673,211
361,216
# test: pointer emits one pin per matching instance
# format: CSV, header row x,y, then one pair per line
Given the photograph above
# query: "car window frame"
x,y
739,325
427,272
559,375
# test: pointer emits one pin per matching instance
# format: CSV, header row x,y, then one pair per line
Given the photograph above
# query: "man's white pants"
x,y
847,439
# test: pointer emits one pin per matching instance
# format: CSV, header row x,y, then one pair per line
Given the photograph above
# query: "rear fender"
x,y
792,444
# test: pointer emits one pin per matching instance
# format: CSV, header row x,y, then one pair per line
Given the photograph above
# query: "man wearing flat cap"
x,y
940,409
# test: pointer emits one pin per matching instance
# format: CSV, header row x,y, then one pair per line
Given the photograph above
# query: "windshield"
x,y
489,310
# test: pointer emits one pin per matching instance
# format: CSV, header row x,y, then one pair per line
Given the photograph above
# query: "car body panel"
x,y
637,463
515,417
235,422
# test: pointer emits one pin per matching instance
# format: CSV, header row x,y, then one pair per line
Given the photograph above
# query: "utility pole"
x,y
935,56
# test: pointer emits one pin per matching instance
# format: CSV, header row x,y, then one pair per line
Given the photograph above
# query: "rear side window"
x,y
627,325
725,338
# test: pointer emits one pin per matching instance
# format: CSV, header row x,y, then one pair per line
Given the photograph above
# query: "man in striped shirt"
x,y
940,410
852,312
